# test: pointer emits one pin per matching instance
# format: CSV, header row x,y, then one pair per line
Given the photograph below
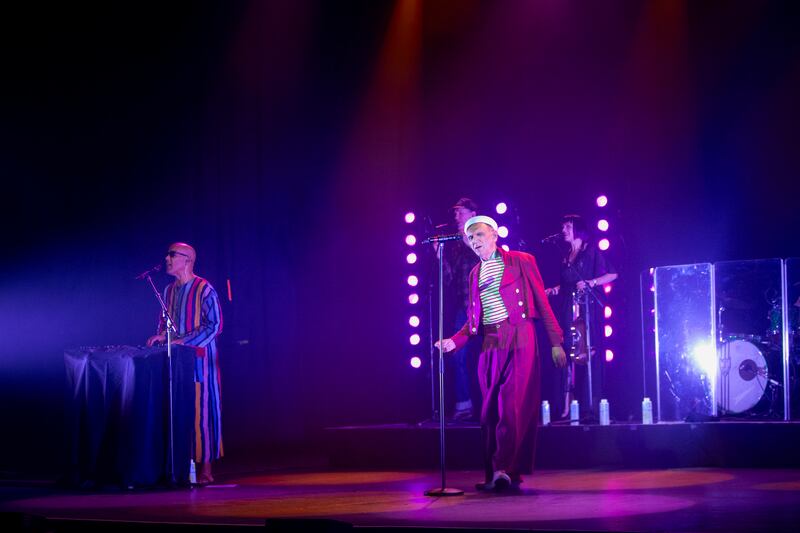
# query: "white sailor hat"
x,y
480,218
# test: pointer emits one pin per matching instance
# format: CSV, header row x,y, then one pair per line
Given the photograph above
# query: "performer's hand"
x,y
559,356
553,291
581,285
179,342
448,344
156,339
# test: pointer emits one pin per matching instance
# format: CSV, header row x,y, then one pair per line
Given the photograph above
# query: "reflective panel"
x,y
750,333
685,360
793,335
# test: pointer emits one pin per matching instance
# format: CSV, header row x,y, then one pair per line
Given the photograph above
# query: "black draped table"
x,y
117,414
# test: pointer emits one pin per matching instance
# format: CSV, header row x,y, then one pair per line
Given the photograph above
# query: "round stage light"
x,y
410,217
602,200
607,312
609,356
502,231
414,339
411,240
602,224
413,321
416,362
603,244
607,330
413,298
501,208
505,247
411,258
607,288
413,280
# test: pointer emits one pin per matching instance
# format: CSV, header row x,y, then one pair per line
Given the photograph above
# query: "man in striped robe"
x,y
506,294
194,306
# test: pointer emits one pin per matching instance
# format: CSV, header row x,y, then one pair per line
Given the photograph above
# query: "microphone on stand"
x,y
555,237
443,238
146,273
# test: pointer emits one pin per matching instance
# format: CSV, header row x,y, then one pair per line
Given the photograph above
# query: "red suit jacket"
x,y
522,291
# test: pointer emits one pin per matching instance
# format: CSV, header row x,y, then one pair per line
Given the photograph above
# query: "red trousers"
x,y
508,372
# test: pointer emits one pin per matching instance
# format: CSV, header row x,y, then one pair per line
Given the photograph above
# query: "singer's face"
x,y
461,215
483,239
177,259
566,231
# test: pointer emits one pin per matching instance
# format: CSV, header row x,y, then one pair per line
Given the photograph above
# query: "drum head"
x,y
743,376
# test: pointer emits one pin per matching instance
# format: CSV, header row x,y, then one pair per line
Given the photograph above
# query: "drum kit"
x,y
751,370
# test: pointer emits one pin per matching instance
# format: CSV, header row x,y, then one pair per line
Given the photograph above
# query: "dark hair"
x,y
579,229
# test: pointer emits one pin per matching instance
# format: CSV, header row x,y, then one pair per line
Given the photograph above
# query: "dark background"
x,y
286,139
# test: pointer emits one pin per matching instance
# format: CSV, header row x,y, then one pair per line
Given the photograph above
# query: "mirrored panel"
x,y
750,329
793,327
685,342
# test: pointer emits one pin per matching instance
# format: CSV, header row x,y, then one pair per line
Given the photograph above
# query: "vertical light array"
x,y
413,296
502,230
604,243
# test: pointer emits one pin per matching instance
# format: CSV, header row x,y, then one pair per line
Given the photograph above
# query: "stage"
x,y
733,491
696,499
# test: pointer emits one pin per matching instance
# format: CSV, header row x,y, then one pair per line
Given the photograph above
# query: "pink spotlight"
x,y
609,356
607,288
413,298
502,231
501,208
607,312
413,321
414,339
416,362
607,330
602,200
505,247
602,224
413,280
410,217
411,258
411,240
652,271
603,244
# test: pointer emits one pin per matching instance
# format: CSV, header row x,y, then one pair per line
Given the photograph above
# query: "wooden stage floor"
x,y
691,499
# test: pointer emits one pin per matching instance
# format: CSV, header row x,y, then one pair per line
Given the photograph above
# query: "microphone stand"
x,y
170,329
443,490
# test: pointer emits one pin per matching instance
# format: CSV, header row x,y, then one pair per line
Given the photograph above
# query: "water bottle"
x,y
574,413
647,411
605,417
192,472
545,413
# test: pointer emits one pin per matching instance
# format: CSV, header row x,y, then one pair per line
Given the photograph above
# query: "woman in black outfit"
x,y
584,268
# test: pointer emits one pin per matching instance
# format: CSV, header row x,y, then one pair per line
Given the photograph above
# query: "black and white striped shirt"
x,y
491,272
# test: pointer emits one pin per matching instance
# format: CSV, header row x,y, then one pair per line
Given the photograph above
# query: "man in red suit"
x,y
506,294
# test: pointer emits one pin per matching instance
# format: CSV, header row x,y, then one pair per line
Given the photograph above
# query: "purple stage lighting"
x,y
602,200
414,339
607,312
607,330
411,258
413,321
502,231
603,244
607,288
411,240
602,224
413,298
505,247
413,280
501,208
609,356
410,217
416,362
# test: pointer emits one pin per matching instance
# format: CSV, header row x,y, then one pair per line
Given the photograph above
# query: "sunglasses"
x,y
173,253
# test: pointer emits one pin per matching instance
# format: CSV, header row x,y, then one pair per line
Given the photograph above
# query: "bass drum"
x,y
743,376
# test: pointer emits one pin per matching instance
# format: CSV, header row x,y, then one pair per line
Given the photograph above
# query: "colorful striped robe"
x,y
195,308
